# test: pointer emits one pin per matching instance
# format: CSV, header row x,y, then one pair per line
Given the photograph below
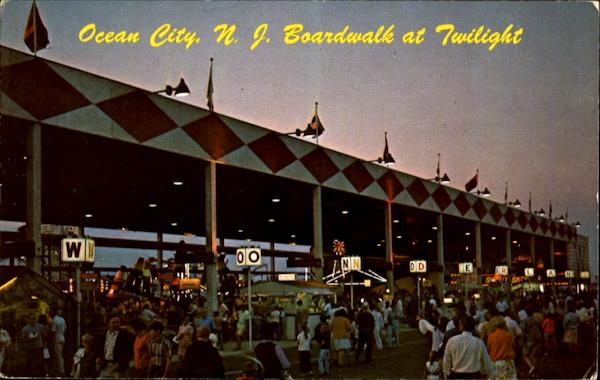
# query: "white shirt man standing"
x,y
465,356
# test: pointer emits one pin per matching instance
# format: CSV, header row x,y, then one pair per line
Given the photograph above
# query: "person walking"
x,y
465,356
185,336
378,328
270,354
366,326
57,329
571,327
141,354
31,336
160,352
323,337
500,346
202,359
114,349
531,339
84,361
303,340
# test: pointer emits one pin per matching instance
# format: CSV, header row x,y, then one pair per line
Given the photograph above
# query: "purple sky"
x,y
525,114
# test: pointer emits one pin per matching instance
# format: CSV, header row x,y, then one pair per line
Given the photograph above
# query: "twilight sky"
x,y
526,114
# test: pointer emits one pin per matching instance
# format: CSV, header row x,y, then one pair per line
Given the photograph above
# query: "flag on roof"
x,y
529,201
36,34
472,184
550,211
387,156
314,128
209,89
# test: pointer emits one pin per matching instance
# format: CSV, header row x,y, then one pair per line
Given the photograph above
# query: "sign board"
x,y
248,256
550,273
465,267
502,270
569,274
367,283
584,274
418,266
529,272
351,263
286,277
189,283
78,250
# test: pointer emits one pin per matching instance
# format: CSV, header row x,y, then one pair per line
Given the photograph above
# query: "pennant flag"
x,y
314,128
550,211
209,89
387,157
567,214
472,184
530,202
36,34
506,193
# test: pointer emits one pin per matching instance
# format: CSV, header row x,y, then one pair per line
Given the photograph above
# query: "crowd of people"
x,y
494,336
498,338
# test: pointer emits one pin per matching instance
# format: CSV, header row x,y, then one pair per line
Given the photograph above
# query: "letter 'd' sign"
x,y
78,250
418,266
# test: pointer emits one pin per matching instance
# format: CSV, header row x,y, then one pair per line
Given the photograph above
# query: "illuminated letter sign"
x,y
78,250
529,272
465,267
418,266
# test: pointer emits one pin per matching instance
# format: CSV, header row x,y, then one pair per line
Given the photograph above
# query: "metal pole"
x,y
250,309
351,290
78,299
419,294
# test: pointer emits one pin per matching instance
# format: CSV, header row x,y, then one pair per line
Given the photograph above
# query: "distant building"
x,y
578,255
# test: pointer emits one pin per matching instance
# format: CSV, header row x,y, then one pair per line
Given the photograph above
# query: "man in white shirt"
x,y
465,356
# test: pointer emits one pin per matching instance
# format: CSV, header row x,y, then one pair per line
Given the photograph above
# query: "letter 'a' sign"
x,y
550,273
78,250
248,256
418,266
502,270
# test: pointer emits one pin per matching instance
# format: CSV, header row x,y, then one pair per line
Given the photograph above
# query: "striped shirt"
x,y
159,351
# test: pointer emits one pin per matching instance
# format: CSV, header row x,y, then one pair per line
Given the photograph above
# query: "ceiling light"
x,y
276,200
152,205
467,234
271,220
240,231
174,224
514,242
344,212
293,236
399,237
493,238
177,183
434,228
88,215
429,241
396,221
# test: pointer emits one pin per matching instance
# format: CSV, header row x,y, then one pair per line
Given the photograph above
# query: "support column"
x,y
439,279
212,279
552,266
532,250
508,245
318,230
478,260
159,258
33,218
389,252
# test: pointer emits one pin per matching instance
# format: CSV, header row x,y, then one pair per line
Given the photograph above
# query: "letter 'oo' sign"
x,y
248,256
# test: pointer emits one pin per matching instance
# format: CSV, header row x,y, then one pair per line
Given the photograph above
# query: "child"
x,y
432,367
304,350
84,361
160,351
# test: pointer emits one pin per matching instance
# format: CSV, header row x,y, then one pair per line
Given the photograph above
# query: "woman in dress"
x,y
340,335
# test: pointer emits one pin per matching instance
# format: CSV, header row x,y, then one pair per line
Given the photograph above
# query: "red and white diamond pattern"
x,y
38,90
